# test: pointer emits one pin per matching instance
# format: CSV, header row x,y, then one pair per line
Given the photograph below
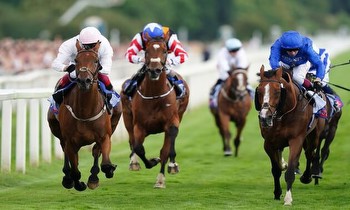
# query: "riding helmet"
x,y
89,35
154,30
291,40
233,44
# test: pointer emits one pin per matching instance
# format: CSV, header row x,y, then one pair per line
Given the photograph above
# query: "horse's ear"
x,y
262,69
77,44
97,46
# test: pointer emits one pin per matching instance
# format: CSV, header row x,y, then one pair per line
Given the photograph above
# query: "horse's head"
x,y
237,83
87,66
156,53
270,96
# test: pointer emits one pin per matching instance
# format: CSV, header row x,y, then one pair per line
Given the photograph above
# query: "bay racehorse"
x,y
326,138
83,120
234,103
154,109
286,120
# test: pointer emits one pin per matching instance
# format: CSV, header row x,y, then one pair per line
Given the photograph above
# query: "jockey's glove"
x,y
317,85
70,68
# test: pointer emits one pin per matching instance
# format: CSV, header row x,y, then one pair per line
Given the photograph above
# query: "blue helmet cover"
x,y
291,40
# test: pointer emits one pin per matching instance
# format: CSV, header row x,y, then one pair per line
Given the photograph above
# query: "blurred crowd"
x,y
19,55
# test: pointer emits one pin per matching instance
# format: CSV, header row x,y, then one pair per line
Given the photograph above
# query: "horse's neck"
x,y
155,86
84,98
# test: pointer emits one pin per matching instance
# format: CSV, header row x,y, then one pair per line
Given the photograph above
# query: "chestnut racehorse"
x,y
234,104
83,120
154,109
286,120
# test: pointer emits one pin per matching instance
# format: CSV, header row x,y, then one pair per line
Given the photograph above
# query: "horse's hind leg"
x,y
93,181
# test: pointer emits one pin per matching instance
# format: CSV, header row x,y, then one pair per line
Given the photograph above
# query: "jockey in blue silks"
x,y
297,52
333,97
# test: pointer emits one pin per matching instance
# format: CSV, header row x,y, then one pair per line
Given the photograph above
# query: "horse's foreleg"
x,y
289,176
237,140
106,166
225,134
93,181
173,167
67,181
75,173
140,150
275,170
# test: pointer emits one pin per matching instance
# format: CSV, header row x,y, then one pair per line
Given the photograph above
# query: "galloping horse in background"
x,y
327,135
154,109
234,104
286,120
83,120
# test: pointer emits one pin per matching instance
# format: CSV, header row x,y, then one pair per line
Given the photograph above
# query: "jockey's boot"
x,y
178,85
338,104
134,80
59,91
212,94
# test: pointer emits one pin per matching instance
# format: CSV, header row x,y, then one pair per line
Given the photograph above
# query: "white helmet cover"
x,y
89,35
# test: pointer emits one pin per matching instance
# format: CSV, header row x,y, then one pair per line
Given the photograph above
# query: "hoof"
x,y
93,182
305,180
228,153
173,168
160,183
67,182
134,166
93,185
108,170
79,186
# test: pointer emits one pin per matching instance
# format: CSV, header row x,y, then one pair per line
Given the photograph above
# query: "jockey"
x,y
230,56
178,55
297,52
323,53
64,62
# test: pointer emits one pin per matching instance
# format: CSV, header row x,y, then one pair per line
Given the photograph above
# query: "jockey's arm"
x,y
105,54
180,55
275,55
65,56
317,63
134,48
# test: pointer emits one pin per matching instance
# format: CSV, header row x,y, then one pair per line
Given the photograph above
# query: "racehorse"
x,y
83,120
154,109
234,104
327,135
286,120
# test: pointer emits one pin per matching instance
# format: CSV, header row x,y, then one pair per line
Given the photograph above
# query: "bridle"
x,y
93,73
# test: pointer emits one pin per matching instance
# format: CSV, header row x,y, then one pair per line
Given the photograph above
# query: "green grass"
x,y
207,179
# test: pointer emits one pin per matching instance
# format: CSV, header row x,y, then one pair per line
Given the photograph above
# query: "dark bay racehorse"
x,y
286,120
83,120
154,109
234,104
326,138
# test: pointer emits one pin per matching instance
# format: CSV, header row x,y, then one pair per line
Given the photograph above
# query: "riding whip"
x,y
341,64
338,86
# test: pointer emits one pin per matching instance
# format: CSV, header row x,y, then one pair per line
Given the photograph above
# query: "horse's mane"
x,y
285,74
